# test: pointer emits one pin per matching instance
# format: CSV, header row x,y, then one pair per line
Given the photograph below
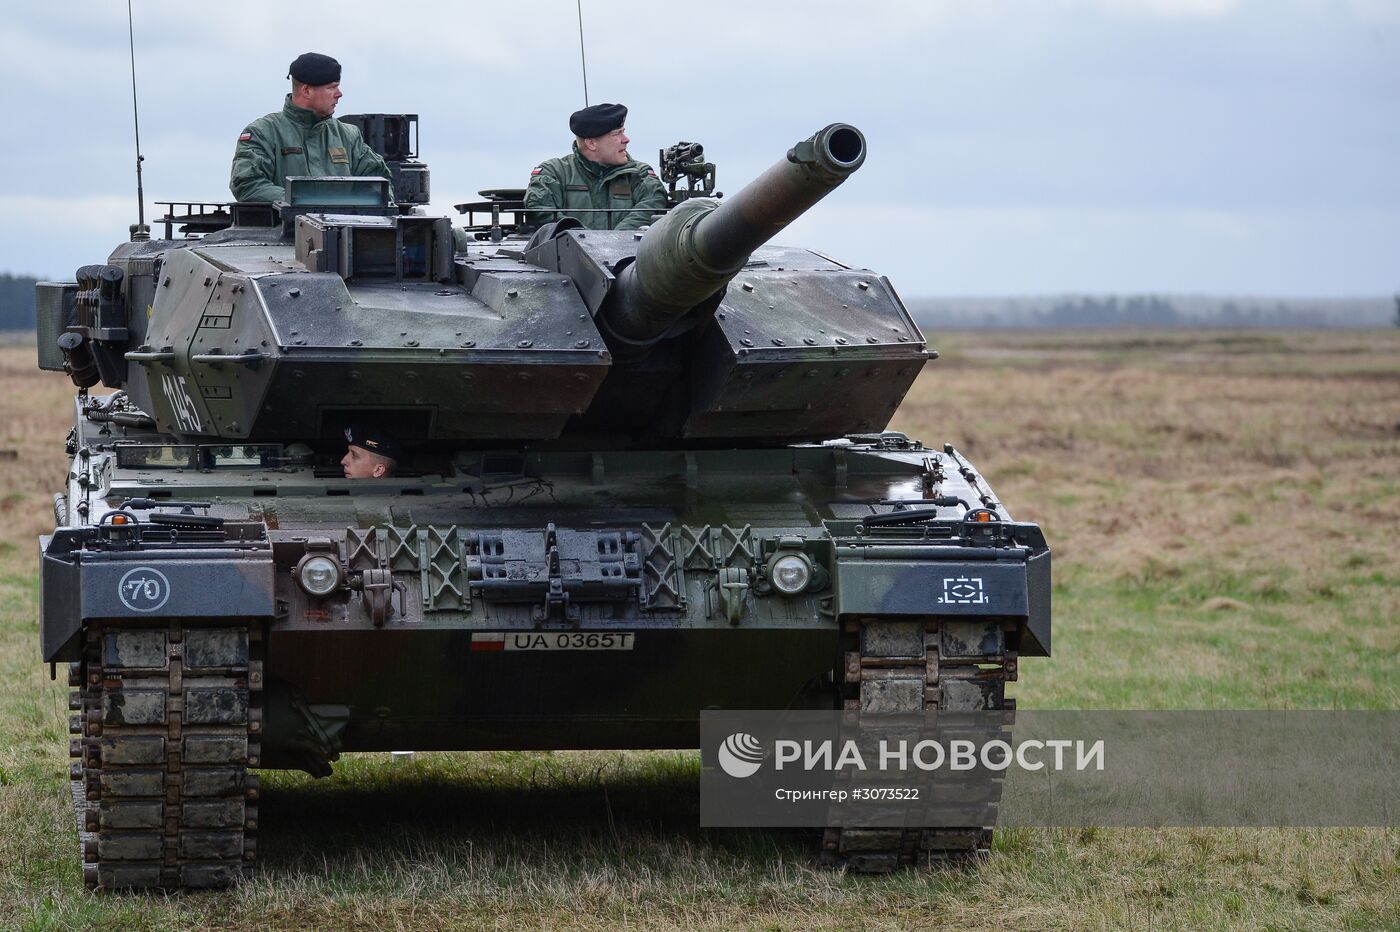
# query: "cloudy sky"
x,y
1016,146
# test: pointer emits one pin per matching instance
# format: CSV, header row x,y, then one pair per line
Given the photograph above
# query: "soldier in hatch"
x,y
303,139
370,454
598,179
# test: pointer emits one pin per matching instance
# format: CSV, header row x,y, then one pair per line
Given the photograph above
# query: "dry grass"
x,y
1222,508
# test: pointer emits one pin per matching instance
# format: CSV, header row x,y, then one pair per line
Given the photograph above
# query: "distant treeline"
x,y
1153,311
17,310
16,302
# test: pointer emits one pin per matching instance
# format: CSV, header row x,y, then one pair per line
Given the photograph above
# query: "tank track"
x,y
168,719
917,667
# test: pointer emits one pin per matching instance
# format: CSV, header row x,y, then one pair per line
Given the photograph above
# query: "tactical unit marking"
x,y
571,640
143,589
963,590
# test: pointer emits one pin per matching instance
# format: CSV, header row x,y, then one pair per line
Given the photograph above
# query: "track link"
x,y
917,667
167,722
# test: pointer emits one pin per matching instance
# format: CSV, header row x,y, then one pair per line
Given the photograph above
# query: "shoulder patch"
x,y
244,137
537,171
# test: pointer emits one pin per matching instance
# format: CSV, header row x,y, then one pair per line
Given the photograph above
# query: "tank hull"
x,y
571,601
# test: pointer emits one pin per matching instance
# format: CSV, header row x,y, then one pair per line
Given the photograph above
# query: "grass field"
x,y
1223,509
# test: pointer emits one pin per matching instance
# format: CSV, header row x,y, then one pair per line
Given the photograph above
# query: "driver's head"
x,y
369,454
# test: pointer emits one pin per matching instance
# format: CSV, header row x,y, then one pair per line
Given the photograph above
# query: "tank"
x,y
639,475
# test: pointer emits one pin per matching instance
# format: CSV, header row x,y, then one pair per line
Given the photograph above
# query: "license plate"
x,y
554,640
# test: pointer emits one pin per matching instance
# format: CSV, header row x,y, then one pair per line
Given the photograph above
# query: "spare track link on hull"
x,y
917,667
167,722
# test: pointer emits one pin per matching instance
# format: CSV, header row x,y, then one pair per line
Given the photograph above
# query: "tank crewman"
x,y
303,139
598,175
370,454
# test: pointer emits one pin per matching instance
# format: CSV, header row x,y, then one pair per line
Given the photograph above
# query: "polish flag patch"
x,y
488,641
536,172
245,137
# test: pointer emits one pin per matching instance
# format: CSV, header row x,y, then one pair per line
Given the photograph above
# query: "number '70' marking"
x,y
143,589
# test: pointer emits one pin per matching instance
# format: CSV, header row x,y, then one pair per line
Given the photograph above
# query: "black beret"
x,y
315,69
372,439
597,120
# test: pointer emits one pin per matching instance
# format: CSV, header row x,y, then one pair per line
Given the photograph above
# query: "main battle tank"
x,y
643,475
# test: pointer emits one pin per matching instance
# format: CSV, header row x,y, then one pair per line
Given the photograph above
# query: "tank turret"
x,y
347,310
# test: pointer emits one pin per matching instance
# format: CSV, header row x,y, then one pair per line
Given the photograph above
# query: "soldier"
x,y
371,454
303,139
598,179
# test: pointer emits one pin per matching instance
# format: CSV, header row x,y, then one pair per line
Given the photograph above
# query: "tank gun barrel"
x,y
694,250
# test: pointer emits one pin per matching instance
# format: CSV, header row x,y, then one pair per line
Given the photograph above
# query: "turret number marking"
x,y
554,640
178,394
143,589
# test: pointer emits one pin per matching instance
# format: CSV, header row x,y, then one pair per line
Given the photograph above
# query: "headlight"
x,y
318,575
790,573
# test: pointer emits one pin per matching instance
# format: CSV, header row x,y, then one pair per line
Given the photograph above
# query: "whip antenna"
x,y
581,58
140,231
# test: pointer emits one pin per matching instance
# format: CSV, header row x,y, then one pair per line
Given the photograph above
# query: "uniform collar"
x,y
300,114
602,172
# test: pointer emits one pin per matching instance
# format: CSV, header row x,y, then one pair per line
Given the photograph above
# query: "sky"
x,y
1016,147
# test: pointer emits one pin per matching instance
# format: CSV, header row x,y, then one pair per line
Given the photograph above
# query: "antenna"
x,y
139,231
581,58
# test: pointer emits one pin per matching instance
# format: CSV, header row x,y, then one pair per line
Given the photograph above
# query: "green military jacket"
x,y
629,196
297,142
